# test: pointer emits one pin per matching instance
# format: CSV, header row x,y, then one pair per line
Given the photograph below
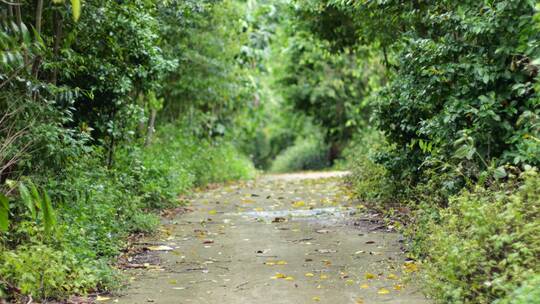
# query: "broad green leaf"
x,y
27,200
76,9
499,173
49,218
4,213
35,195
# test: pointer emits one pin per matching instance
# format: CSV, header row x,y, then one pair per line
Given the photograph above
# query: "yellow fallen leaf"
x,y
369,276
364,286
383,291
392,277
323,277
398,287
349,282
359,301
102,299
316,299
173,282
319,286
309,275
410,266
281,263
279,276
299,204
289,278
258,209
270,263
212,212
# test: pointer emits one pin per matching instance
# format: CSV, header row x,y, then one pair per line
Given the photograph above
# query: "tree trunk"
x,y
59,23
10,12
334,152
39,15
151,129
18,15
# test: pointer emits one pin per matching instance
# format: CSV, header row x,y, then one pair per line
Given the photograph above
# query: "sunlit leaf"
x,y
76,9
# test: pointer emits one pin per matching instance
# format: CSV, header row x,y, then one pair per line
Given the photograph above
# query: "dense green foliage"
x,y
485,243
458,111
305,154
81,166
109,110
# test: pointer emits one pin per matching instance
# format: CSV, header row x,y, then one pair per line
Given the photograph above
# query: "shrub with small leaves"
x,y
485,244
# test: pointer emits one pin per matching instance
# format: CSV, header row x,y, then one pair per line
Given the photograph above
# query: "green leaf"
x,y
76,9
4,213
27,200
499,173
49,218
35,195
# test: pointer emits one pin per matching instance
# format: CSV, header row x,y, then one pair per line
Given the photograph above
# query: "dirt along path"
x,y
293,238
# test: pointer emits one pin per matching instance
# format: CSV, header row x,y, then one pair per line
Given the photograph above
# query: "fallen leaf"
x,y
289,278
369,276
212,212
359,301
323,277
299,204
398,287
102,299
392,277
316,299
279,219
159,248
281,263
309,275
364,286
383,291
326,250
410,266
279,276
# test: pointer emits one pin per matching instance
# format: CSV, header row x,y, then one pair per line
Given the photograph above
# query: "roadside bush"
x,y
485,244
528,293
46,272
98,207
369,181
178,161
222,163
144,223
305,154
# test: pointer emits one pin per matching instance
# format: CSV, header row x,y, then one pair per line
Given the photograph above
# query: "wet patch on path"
x,y
280,239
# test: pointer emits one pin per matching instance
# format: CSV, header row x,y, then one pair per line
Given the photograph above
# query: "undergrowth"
x,y
305,154
477,245
96,208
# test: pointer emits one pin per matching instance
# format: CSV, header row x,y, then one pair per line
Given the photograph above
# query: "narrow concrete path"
x,y
294,238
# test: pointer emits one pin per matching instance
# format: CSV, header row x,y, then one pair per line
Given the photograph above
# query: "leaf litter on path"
x,y
303,229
